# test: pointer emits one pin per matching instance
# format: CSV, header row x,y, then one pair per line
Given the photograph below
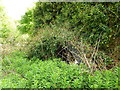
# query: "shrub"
x,y
46,43
52,42
89,20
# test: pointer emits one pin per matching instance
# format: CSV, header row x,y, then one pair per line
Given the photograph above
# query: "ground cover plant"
x,y
36,73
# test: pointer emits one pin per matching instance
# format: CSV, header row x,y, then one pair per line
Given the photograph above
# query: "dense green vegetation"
x,y
88,20
53,74
55,34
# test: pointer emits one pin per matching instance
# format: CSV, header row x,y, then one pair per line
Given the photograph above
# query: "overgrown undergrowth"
x,y
18,72
86,32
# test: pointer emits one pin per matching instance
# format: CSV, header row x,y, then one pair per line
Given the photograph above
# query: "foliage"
x,y
46,43
88,20
26,23
21,73
4,24
8,31
52,24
